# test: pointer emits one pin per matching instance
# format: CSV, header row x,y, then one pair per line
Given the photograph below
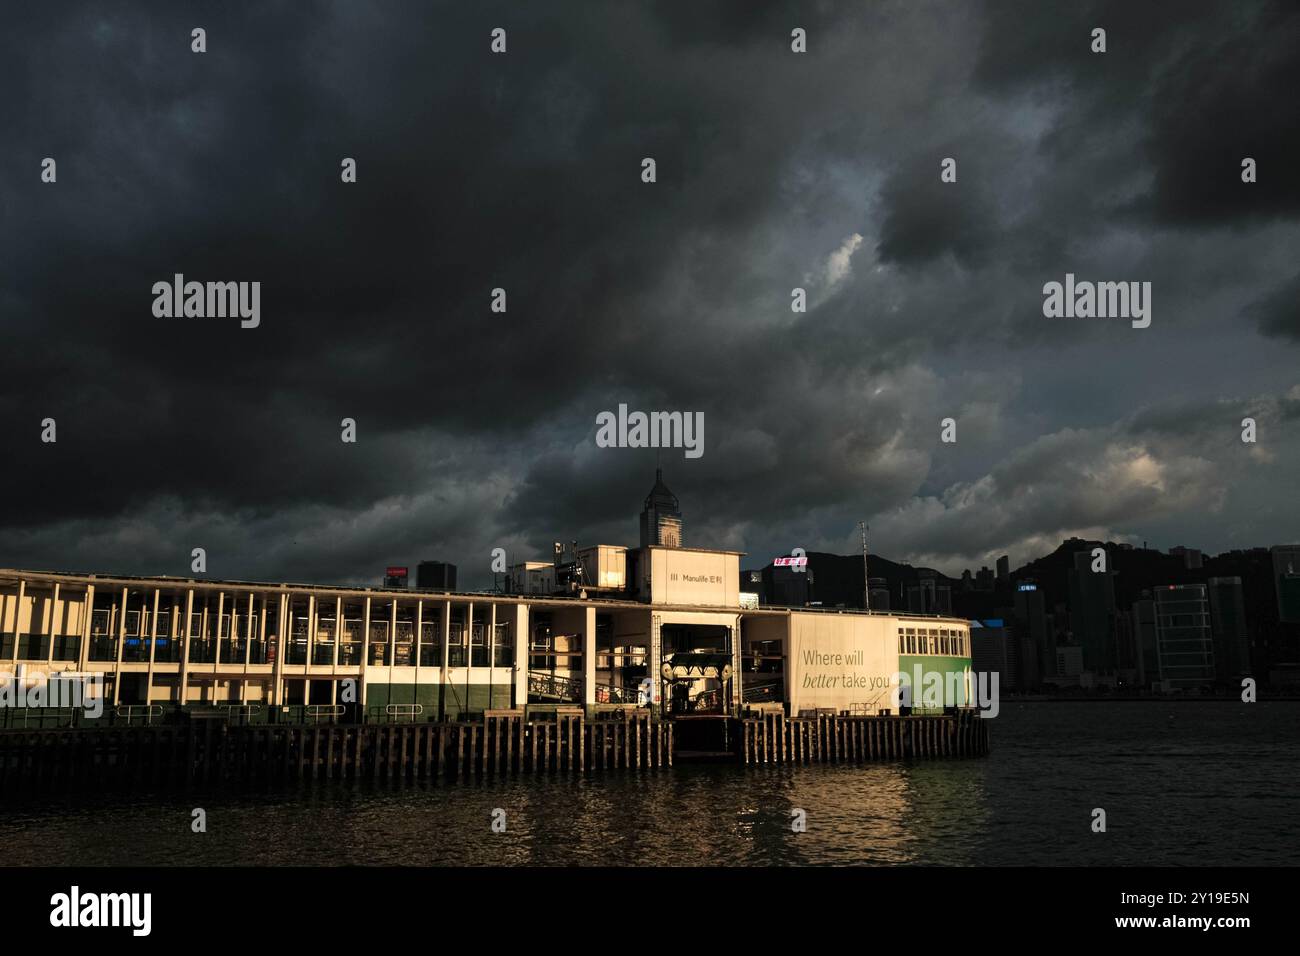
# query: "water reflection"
x,y
1198,784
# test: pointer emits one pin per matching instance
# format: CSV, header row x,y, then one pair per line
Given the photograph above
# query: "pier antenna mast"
x,y
866,581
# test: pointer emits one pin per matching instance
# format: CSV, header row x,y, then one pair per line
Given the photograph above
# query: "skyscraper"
x,y
1286,578
1092,613
1031,620
661,519
1004,569
994,648
1127,652
928,596
1228,626
1183,641
1144,640
879,594
435,576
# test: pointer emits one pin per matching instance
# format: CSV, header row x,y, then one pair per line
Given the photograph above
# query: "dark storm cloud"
x,y
923,223
1278,313
1208,82
522,171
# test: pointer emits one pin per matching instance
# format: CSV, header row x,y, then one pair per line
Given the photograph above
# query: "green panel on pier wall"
x,y
458,699
477,698
428,695
943,666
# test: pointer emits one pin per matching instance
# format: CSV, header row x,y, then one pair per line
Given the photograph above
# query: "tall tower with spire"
x,y
661,519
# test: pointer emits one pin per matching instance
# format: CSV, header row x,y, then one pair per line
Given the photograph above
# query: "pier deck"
x,y
216,751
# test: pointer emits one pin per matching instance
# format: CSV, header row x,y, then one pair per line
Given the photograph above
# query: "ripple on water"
x,y
1212,786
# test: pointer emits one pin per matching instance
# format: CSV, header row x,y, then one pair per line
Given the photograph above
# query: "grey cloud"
x,y
522,172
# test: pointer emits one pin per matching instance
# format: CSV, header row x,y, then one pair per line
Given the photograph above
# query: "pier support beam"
x,y
121,643
444,680
54,613
153,644
589,658
18,614
216,647
311,645
523,637
281,649
365,654
187,632
83,654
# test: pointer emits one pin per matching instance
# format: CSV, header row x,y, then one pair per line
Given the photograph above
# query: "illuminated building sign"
x,y
790,562
1027,587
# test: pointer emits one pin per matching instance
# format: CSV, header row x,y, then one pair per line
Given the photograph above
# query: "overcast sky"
x,y
523,171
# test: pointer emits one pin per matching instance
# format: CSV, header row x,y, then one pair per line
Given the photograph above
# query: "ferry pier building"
x,y
661,626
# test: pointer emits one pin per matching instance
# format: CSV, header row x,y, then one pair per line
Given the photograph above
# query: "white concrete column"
x,y
311,640
185,647
490,642
365,652
277,668
49,636
174,636
444,680
736,690
203,617
468,638
261,629
589,656
446,639
338,628
153,643
121,644
419,639
419,632
83,653
655,661
221,610
248,631
522,638
18,616
392,638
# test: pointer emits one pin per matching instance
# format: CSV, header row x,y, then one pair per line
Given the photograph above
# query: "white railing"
x,y
407,711
317,711
242,711
132,711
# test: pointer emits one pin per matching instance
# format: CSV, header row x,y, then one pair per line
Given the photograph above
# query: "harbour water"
x,y
1182,783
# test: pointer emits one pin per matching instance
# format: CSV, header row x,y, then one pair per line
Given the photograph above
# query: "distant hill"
x,y
838,578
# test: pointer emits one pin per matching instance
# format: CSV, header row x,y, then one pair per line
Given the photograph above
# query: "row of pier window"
x,y
239,637
939,641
